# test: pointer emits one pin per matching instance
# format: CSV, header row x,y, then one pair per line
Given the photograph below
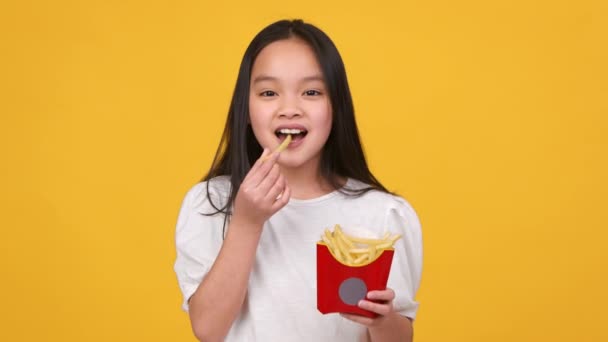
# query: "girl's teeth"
x,y
290,131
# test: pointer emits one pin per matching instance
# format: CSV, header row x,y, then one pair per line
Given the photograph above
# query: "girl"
x,y
246,235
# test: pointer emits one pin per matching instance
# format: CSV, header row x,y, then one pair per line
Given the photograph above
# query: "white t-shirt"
x,y
281,301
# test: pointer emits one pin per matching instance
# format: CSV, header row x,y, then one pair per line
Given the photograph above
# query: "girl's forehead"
x,y
286,59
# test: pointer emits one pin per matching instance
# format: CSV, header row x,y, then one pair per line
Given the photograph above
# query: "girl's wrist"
x,y
244,226
391,327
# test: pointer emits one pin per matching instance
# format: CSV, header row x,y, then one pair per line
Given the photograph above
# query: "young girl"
x,y
246,235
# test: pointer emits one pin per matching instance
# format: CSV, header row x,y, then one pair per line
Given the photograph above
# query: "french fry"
x,y
338,254
360,259
281,147
358,250
344,251
331,243
384,245
372,253
345,239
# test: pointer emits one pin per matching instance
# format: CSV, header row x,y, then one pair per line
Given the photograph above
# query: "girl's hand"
x,y
384,308
262,193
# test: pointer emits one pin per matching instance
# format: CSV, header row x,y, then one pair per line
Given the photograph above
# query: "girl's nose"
x,y
289,108
289,113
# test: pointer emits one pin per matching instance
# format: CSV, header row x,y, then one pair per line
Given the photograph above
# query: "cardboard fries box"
x,y
340,287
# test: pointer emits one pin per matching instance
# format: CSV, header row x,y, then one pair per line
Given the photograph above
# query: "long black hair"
x,y
342,155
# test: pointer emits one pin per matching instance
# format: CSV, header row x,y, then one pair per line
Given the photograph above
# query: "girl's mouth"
x,y
296,134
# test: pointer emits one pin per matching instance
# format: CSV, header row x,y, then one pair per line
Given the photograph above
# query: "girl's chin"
x,y
287,163
294,160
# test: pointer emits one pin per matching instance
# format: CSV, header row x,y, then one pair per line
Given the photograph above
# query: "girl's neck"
x,y
306,183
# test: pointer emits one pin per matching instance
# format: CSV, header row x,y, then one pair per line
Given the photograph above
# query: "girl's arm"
x,y
218,299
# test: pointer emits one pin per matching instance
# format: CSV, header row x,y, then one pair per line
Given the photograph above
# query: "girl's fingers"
x,y
385,298
262,170
276,189
381,309
282,201
383,295
257,163
269,180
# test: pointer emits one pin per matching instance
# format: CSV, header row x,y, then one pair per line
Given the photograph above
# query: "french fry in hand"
x,y
281,147
355,251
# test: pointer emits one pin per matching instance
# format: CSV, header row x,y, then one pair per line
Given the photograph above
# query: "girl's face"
x,y
288,95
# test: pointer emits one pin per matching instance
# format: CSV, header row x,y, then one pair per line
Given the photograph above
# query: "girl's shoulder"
x,y
206,195
381,200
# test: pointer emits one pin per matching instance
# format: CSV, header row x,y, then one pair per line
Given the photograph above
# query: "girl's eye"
x,y
312,92
268,93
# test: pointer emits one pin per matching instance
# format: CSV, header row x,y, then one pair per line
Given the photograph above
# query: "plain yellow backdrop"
x,y
488,116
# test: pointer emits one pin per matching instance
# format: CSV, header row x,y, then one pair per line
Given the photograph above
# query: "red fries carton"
x,y
340,287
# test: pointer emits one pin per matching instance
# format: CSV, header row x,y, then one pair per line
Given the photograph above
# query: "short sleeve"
x,y
198,239
406,270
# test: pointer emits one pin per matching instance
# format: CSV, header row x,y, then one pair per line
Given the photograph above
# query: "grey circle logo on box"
x,y
352,290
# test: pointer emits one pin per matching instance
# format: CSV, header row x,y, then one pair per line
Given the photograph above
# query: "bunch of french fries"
x,y
355,251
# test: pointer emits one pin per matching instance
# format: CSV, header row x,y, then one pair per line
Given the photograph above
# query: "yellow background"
x,y
488,116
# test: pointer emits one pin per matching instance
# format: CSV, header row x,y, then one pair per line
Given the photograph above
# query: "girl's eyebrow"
x,y
313,78
262,78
